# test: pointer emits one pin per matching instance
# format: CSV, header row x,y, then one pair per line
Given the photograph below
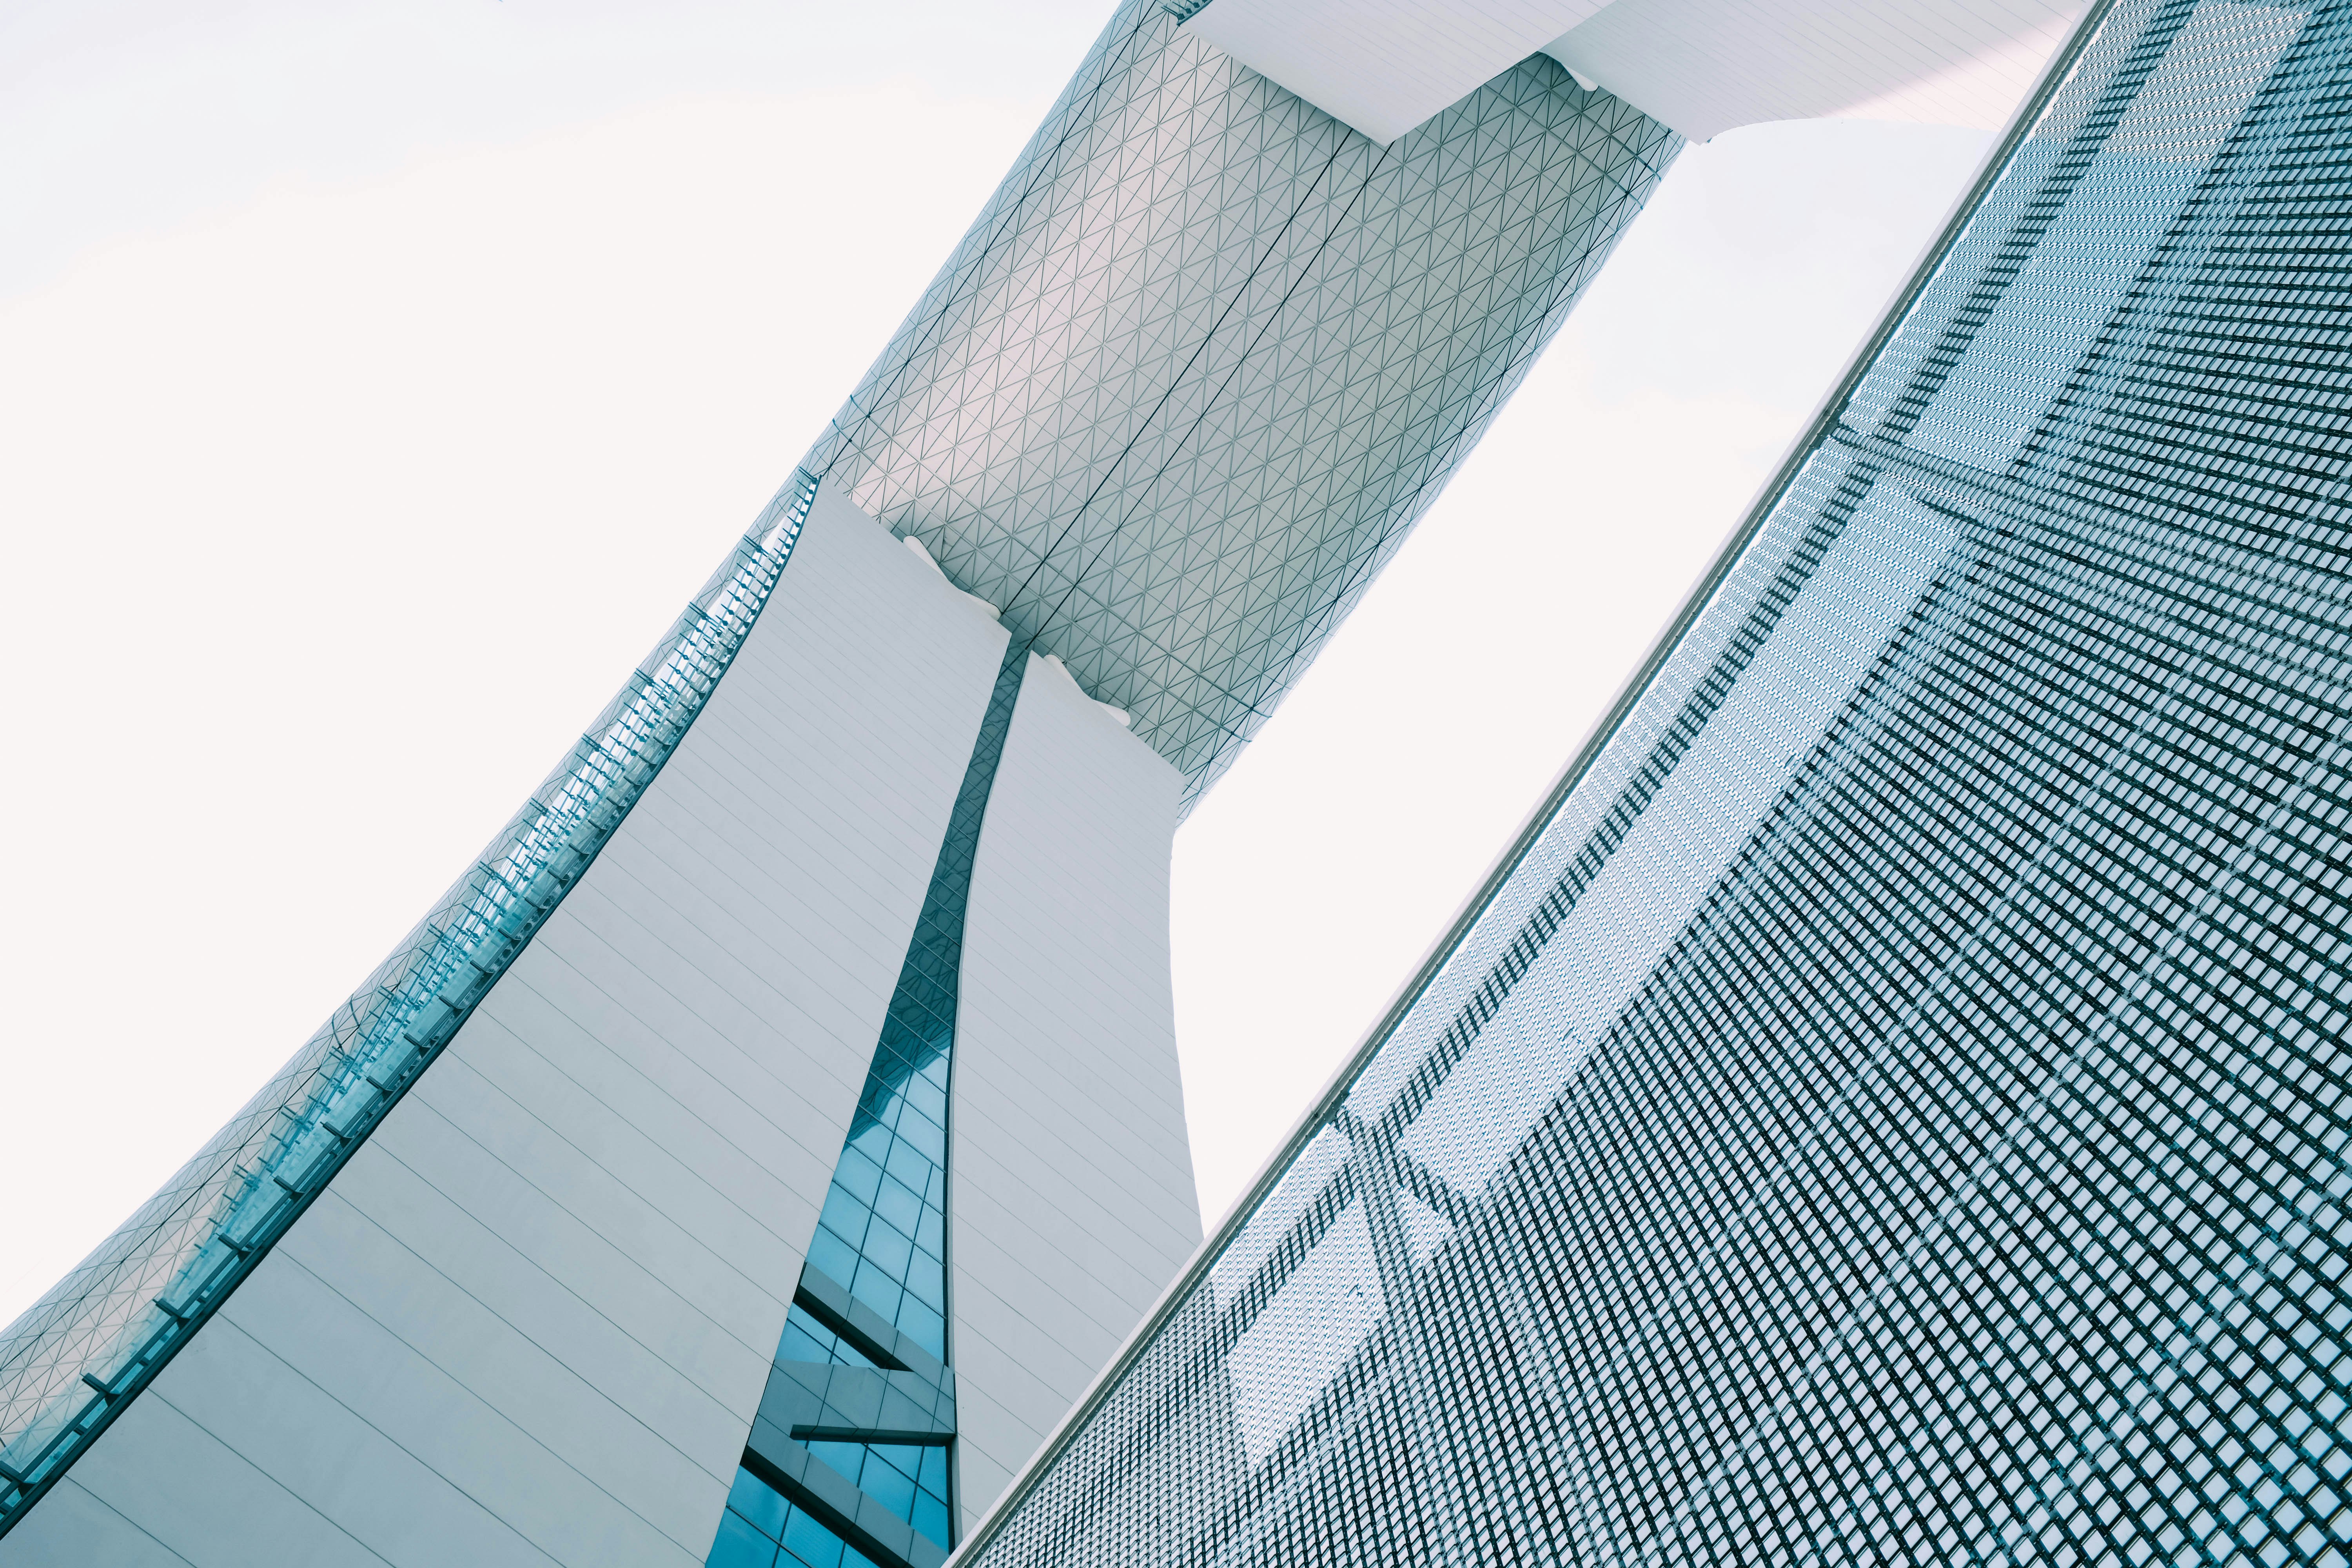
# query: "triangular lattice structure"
x,y
1208,354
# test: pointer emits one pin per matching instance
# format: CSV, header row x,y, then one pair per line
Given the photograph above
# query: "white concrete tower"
x,y
779,1126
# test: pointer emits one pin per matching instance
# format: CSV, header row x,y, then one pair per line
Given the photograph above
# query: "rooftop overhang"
x,y
1207,355
1701,67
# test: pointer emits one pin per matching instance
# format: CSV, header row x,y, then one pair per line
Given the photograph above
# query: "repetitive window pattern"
x,y
805,1338
69,1364
883,1231
1207,354
910,1481
884,1227
1202,360
762,1529
1895,1109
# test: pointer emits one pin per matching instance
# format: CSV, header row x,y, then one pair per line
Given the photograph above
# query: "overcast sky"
x,y
377,380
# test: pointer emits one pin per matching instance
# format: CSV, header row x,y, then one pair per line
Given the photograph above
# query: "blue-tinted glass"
x,y
912,1123
927,1284
739,1545
912,1163
924,1137
805,1338
849,1458
902,1208
859,1173
1894,1109
756,1514
900,1123
843,1215
812,1545
67,1365
878,1288
1192,541
833,1254
919,1322
758,1502
887,1249
930,1515
910,1481
888,1485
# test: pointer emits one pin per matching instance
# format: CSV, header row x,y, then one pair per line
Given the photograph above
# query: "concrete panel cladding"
x,y
1072,1196
1199,366
531,1319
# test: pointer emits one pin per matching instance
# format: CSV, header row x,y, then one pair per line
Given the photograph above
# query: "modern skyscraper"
x,y
1892,1105
763,1146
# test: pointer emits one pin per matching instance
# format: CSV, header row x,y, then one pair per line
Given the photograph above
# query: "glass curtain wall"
x,y
883,1232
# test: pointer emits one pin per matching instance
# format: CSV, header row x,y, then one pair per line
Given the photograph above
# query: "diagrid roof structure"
x,y
1208,354
1262,277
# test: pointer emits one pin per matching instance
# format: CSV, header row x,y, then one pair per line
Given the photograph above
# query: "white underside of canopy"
x,y
1701,67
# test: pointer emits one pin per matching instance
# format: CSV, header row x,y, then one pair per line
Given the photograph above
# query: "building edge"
x,y
418,998
1637,684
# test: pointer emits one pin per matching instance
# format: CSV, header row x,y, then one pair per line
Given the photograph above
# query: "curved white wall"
x,y
530,1320
1071,1202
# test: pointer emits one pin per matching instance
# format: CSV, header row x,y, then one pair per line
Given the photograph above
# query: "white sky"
x,y
376,380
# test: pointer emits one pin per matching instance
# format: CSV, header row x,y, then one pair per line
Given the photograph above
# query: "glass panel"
x,y
890,1187
760,1528
1173,415
910,1481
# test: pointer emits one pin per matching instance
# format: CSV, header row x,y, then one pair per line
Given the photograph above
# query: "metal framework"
x,y
1893,1106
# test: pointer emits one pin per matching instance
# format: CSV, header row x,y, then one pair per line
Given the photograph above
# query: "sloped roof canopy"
x,y
1702,67
1208,354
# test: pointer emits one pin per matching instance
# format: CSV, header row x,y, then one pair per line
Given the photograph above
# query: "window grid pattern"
x,y
805,1338
883,1227
1201,363
762,1529
912,1481
81,1354
1896,1109
908,1481
883,1230
1207,354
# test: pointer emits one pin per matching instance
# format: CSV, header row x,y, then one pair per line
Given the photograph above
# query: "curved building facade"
x,y
1892,1106
786,1108
1889,1106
